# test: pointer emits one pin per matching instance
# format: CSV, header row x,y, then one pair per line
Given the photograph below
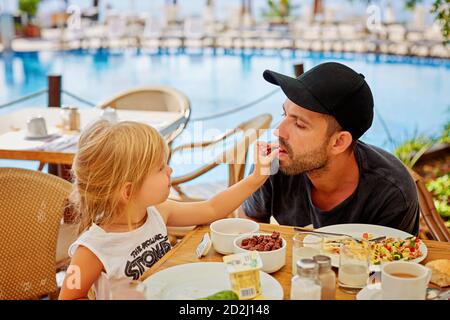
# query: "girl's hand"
x,y
264,154
224,203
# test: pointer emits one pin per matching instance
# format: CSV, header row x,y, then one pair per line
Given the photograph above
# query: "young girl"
x,y
120,191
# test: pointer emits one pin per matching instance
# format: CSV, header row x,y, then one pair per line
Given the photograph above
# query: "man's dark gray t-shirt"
x,y
386,195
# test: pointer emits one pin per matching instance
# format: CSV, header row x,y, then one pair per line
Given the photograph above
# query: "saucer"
x,y
371,292
50,135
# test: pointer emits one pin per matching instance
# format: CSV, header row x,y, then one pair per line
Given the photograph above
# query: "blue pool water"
x,y
412,96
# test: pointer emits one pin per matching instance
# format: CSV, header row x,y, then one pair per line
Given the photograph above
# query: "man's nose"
x,y
281,131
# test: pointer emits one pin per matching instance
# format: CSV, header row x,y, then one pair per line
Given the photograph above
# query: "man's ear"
x,y
341,141
125,192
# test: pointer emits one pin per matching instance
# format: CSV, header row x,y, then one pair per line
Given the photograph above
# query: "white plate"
x,y
198,280
372,292
356,230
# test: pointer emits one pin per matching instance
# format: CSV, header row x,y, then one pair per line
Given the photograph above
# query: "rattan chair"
x,y
234,155
158,98
31,210
428,211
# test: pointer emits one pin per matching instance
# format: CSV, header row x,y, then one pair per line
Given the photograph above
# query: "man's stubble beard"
x,y
313,162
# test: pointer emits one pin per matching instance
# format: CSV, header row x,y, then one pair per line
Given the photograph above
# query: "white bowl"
x,y
272,260
224,231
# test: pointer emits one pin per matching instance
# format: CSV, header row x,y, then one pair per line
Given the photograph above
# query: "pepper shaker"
x,y
70,118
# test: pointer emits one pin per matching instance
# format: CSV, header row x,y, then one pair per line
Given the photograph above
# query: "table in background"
x,y
13,144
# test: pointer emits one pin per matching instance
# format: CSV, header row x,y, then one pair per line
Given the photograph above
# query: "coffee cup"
x,y
36,127
404,281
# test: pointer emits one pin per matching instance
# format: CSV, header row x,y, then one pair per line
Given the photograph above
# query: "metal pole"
x,y
54,100
298,69
54,91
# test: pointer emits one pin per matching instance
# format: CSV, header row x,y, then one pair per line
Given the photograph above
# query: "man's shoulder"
x,y
379,164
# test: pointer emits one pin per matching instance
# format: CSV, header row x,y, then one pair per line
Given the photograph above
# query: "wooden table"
x,y
13,144
184,252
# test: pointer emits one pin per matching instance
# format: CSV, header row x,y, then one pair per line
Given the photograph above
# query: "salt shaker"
x,y
306,284
70,118
327,277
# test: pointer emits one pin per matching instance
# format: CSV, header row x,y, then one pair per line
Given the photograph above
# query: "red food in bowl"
x,y
263,242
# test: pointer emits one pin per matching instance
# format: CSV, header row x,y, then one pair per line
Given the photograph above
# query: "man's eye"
x,y
300,126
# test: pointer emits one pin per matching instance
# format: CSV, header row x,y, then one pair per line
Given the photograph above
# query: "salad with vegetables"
x,y
392,249
389,249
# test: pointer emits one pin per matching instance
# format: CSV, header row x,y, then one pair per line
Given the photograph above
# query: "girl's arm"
x,y
193,213
84,270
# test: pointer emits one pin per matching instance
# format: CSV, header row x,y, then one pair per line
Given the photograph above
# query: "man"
x,y
327,176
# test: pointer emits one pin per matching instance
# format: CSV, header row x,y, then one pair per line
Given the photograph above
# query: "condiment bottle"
x,y
306,284
70,118
327,277
244,271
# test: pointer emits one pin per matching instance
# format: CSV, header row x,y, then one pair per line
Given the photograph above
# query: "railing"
x,y
54,96
54,92
237,109
41,92
298,70
54,100
24,98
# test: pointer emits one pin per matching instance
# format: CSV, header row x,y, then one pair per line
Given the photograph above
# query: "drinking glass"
x,y
354,262
305,246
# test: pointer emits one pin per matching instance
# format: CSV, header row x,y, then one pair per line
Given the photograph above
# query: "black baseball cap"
x,y
331,88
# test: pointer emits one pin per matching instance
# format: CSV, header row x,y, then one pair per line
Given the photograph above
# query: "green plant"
x,y
279,9
445,138
442,10
411,4
29,7
411,150
440,188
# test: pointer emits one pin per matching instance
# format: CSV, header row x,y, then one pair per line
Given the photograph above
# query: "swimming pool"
x,y
412,95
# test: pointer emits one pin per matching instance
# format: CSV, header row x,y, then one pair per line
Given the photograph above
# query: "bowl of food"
x,y
271,248
225,231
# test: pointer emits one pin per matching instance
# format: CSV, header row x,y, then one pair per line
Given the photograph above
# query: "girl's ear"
x,y
125,192
341,142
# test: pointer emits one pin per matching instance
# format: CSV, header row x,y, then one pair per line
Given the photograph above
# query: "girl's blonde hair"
x,y
110,155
